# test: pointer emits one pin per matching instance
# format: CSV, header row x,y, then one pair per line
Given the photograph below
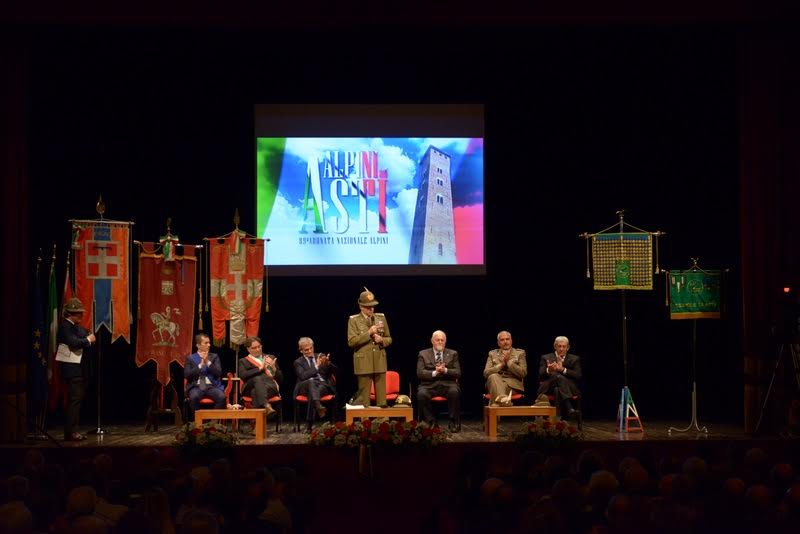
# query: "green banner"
x,y
694,294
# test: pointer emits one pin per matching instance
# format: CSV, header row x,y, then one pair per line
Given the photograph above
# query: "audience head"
x,y
15,518
81,501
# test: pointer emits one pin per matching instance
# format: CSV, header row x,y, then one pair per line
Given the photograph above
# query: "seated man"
x,y
202,372
438,371
559,373
260,374
505,371
315,378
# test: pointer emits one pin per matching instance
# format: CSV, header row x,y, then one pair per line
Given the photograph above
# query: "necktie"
x,y
439,358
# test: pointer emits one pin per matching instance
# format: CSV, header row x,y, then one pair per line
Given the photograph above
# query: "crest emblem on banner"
x,y
167,289
237,284
622,260
101,274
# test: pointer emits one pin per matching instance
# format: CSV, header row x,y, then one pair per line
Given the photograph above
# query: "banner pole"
x,y
99,430
694,423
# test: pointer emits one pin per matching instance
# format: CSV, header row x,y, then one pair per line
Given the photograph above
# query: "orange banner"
x,y
101,275
237,284
165,317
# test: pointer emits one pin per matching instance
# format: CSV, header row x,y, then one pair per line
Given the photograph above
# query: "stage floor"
x,y
133,435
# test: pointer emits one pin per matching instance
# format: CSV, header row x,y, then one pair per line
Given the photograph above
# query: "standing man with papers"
x,y
73,339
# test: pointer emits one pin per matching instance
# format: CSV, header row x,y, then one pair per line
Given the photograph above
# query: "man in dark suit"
x,y
73,340
260,374
315,378
202,372
559,374
438,371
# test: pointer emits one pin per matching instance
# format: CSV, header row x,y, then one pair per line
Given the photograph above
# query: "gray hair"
x,y
561,338
305,339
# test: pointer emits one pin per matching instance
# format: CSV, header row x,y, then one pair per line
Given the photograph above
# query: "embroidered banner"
x,y
694,294
237,283
622,261
101,275
165,315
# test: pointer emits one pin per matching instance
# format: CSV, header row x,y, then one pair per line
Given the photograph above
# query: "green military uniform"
x,y
499,377
369,358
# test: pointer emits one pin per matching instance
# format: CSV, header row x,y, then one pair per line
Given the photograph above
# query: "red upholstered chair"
x,y
299,400
206,403
392,387
576,399
275,401
443,400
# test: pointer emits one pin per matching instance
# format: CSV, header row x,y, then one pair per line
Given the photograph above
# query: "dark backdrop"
x,y
579,123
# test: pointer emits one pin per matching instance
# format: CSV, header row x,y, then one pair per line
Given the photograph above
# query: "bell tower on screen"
x,y
433,239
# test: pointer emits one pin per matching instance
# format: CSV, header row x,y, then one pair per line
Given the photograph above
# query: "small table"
x,y
492,413
365,413
259,414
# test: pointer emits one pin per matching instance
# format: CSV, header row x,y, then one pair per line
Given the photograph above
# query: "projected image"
x,y
370,201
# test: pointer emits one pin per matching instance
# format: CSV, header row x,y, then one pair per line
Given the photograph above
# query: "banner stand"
x,y
623,261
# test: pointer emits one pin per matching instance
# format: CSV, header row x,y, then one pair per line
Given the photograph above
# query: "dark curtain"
x,y
769,111
16,264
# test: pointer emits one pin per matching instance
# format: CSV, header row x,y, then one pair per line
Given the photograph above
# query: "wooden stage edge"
x,y
133,435
124,443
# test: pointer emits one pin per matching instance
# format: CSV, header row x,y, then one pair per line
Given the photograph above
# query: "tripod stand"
x,y
794,349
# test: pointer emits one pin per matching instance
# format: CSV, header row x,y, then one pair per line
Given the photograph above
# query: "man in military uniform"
x,y
368,335
505,371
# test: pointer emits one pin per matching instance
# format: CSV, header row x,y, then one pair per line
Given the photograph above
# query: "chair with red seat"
x,y
329,399
578,408
392,387
276,401
204,402
440,399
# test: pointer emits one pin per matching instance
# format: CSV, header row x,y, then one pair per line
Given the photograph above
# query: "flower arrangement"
x,y
377,432
547,436
208,436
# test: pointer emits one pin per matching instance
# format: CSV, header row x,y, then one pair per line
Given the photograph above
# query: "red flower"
x,y
384,427
367,424
546,425
339,424
384,436
399,426
196,431
572,430
561,425
427,432
436,430
364,434
413,424
329,433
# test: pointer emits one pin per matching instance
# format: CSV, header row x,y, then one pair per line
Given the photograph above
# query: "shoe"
x,y
542,400
321,411
75,437
270,410
503,400
383,406
454,427
349,406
